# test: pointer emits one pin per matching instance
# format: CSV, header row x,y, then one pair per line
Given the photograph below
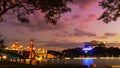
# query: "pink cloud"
x,y
85,4
93,17
69,20
20,31
77,32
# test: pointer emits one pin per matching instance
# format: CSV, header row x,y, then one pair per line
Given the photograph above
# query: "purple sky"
x,y
78,26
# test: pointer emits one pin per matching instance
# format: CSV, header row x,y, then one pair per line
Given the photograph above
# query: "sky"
x,y
72,30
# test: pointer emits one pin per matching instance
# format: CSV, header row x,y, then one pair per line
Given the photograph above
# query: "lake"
x,y
101,62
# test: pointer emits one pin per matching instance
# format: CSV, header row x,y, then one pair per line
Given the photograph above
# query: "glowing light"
x,y
4,57
6,48
28,47
88,61
34,48
87,49
38,58
13,45
21,46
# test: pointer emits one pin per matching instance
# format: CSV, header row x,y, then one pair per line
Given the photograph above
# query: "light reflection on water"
x,y
100,63
88,61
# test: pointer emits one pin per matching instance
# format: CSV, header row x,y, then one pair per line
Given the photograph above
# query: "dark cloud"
x,y
37,23
40,26
79,32
63,34
63,44
110,34
107,35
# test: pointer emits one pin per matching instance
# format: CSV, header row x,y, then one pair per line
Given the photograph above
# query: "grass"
x,y
5,64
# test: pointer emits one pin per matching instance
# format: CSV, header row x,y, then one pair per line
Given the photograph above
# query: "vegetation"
x,y
2,42
96,52
21,8
112,10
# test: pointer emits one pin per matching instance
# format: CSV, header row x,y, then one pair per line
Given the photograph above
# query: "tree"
x,y
112,10
2,43
21,8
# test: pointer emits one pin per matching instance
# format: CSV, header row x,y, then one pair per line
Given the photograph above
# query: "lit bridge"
x,y
12,54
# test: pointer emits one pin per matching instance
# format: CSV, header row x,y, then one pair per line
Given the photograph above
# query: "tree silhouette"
x,y
2,42
21,8
112,10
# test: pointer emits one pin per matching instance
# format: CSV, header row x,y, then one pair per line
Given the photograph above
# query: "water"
x,y
88,61
101,63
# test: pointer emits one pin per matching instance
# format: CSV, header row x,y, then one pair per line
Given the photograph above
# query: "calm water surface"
x,y
101,63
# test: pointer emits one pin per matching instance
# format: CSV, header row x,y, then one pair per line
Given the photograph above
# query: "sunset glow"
x,y
72,30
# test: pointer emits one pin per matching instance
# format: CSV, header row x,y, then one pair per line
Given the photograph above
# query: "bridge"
x,y
13,54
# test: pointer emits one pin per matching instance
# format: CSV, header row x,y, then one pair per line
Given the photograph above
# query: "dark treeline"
x,y
96,52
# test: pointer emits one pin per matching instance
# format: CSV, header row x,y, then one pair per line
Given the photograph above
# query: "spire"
x,y
31,49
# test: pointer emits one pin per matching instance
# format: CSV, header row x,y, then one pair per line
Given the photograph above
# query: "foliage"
x,y
112,10
21,8
2,43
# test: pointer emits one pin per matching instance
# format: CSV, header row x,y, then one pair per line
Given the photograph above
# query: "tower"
x,y
16,44
32,54
31,45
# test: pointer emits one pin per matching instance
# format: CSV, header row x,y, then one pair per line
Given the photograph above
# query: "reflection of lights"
x,y
4,57
88,61
40,58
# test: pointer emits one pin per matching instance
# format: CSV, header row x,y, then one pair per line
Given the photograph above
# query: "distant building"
x,y
32,53
15,45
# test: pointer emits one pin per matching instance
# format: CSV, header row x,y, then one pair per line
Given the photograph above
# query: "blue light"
x,y
87,49
88,61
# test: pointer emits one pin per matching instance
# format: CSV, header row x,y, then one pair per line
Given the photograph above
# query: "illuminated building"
x,y
15,45
43,54
32,53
